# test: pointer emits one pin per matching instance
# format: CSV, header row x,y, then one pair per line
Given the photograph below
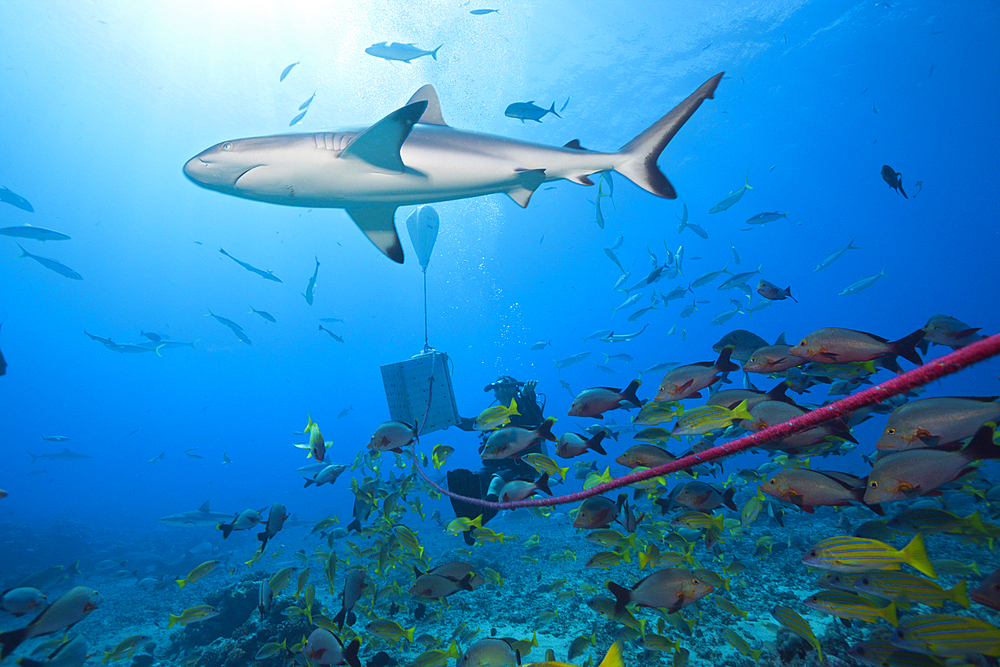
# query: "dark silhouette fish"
x,y
529,111
481,12
285,71
14,199
3,362
893,178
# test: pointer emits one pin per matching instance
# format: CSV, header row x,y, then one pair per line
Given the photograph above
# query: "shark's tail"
x,y
639,156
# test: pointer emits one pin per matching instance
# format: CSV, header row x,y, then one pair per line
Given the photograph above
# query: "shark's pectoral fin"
x,y
432,115
528,182
379,223
379,145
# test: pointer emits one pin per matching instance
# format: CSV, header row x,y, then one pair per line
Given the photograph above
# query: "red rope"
x,y
933,370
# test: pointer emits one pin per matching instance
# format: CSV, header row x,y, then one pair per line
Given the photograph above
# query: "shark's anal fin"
x,y
379,223
528,182
432,115
379,145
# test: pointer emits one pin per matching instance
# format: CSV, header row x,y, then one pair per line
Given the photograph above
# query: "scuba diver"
x,y
489,480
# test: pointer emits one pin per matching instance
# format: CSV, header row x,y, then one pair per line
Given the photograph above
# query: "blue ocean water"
x,y
107,100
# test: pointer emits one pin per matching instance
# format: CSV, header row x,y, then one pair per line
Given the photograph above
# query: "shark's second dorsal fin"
x,y
432,115
379,145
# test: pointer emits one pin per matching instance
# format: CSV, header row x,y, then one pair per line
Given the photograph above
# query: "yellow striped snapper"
x,y
125,648
948,636
856,554
911,588
791,619
881,653
847,604
543,463
200,612
740,644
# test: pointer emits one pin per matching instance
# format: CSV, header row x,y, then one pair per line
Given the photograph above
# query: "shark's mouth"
x,y
237,184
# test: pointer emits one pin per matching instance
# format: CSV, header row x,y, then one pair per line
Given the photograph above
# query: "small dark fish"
x,y
563,108
311,287
3,362
893,178
266,275
298,118
481,12
769,290
155,337
305,105
529,111
285,71
332,335
9,197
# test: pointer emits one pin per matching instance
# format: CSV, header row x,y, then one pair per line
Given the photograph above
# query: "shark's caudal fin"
x,y
639,156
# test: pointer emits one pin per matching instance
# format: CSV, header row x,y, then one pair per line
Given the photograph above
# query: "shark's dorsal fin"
x,y
379,145
379,224
204,507
432,115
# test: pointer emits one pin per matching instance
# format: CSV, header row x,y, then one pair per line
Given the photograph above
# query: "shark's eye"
x,y
228,146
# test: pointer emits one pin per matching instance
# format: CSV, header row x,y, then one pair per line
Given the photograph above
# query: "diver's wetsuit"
x,y
490,479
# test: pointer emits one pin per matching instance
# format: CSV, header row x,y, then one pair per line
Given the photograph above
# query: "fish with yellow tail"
x,y
200,612
791,620
495,417
316,446
858,554
197,573
613,658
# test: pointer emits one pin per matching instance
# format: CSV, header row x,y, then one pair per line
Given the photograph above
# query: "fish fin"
x,y
981,446
379,145
639,156
528,182
594,443
622,595
574,145
915,555
906,347
351,652
629,393
379,224
727,499
723,363
432,114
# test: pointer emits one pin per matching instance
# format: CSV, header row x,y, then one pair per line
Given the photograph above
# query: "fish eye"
x,y
695,582
890,431
753,360
773,480
228,146
812,553
803,342
873,484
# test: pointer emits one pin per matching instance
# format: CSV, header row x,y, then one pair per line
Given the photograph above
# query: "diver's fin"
x,y
465,483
